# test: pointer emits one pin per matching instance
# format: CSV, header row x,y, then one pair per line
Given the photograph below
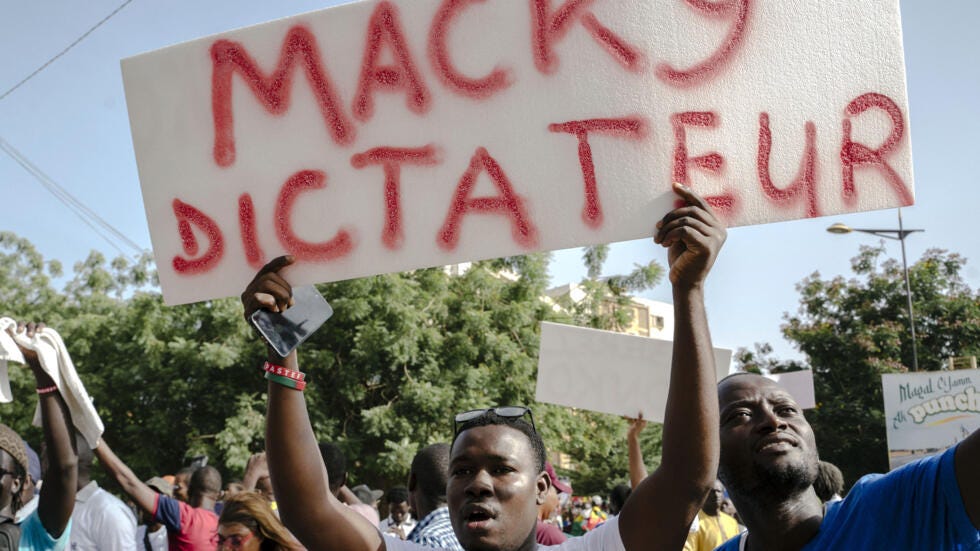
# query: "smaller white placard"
x,y
800,386
608,372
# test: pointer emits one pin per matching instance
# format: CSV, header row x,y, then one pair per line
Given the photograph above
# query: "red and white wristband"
x,y
288,378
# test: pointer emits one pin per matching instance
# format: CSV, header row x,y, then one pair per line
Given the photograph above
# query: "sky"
x,y
70,120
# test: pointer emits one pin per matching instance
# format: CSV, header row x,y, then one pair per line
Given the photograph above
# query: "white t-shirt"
x,y
158,539
603,538
101,522
406,526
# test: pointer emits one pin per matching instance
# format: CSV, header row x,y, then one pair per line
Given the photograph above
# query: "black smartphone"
x,y
286,330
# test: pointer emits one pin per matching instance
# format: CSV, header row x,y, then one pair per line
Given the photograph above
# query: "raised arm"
x,y
966,461
256,468
57,498
141,494
638,469
299,477
660,510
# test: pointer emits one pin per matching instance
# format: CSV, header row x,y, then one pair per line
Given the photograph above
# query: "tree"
x,y
854,330
402,354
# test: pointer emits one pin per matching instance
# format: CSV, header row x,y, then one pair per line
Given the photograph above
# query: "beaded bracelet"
x,y
285,381
283,371
47,389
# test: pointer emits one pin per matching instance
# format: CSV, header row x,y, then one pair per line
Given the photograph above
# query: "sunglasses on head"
x,y
507,412
234,541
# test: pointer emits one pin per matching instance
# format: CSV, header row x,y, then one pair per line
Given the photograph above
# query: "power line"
x,y
62,52
91,218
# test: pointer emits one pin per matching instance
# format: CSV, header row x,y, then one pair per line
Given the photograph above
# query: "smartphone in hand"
x,y
284,331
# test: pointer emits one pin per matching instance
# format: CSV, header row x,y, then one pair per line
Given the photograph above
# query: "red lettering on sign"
x,y
855,154
712,162
273,90
384,29
738,11
246,223
629,128
187,216
305,180
498,79
804,185
548,27
391,159
507,203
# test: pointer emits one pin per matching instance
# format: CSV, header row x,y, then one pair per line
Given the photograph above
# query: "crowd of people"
x,y
739,468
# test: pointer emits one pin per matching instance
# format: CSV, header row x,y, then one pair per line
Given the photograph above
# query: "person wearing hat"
x,y
28,492
548,533
152,534
367,495
49,526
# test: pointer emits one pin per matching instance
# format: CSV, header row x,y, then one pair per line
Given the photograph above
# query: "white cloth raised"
x,y
56,362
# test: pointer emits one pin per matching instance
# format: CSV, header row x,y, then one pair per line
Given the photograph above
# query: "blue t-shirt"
x,y
33,536
918,506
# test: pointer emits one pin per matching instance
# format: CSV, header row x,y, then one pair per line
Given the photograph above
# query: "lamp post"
x,y
900,234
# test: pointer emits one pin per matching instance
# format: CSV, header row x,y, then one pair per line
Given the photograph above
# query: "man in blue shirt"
x,y
769,462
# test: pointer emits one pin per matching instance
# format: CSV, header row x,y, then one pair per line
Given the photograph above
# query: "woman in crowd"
x,y
247,523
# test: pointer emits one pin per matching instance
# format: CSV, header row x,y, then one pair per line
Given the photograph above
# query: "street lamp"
x,y
900,234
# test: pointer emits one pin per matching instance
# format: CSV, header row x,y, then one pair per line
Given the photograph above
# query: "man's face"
x,y
182,484
9,483
494,489
398,511
712,502
767,446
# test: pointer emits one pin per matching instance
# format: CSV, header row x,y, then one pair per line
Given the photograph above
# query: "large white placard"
x,y
382,136
608,372
926,413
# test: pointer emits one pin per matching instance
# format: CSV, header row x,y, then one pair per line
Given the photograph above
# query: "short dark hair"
x,y
204,481
618,496
829,481
490,418
398,494
336,463
431,470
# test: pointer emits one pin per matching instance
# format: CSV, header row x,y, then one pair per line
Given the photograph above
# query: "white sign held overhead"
x,y
608,372
382,136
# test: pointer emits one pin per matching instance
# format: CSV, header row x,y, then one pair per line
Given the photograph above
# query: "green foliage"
x,y
854,330
402,354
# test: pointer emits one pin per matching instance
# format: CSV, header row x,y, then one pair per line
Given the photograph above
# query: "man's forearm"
x,y
61,477
142,495
638,470
690,433
299,478
691,418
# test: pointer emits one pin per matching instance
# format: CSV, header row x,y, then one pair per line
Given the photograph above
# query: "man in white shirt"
x,y
100,521
399,522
